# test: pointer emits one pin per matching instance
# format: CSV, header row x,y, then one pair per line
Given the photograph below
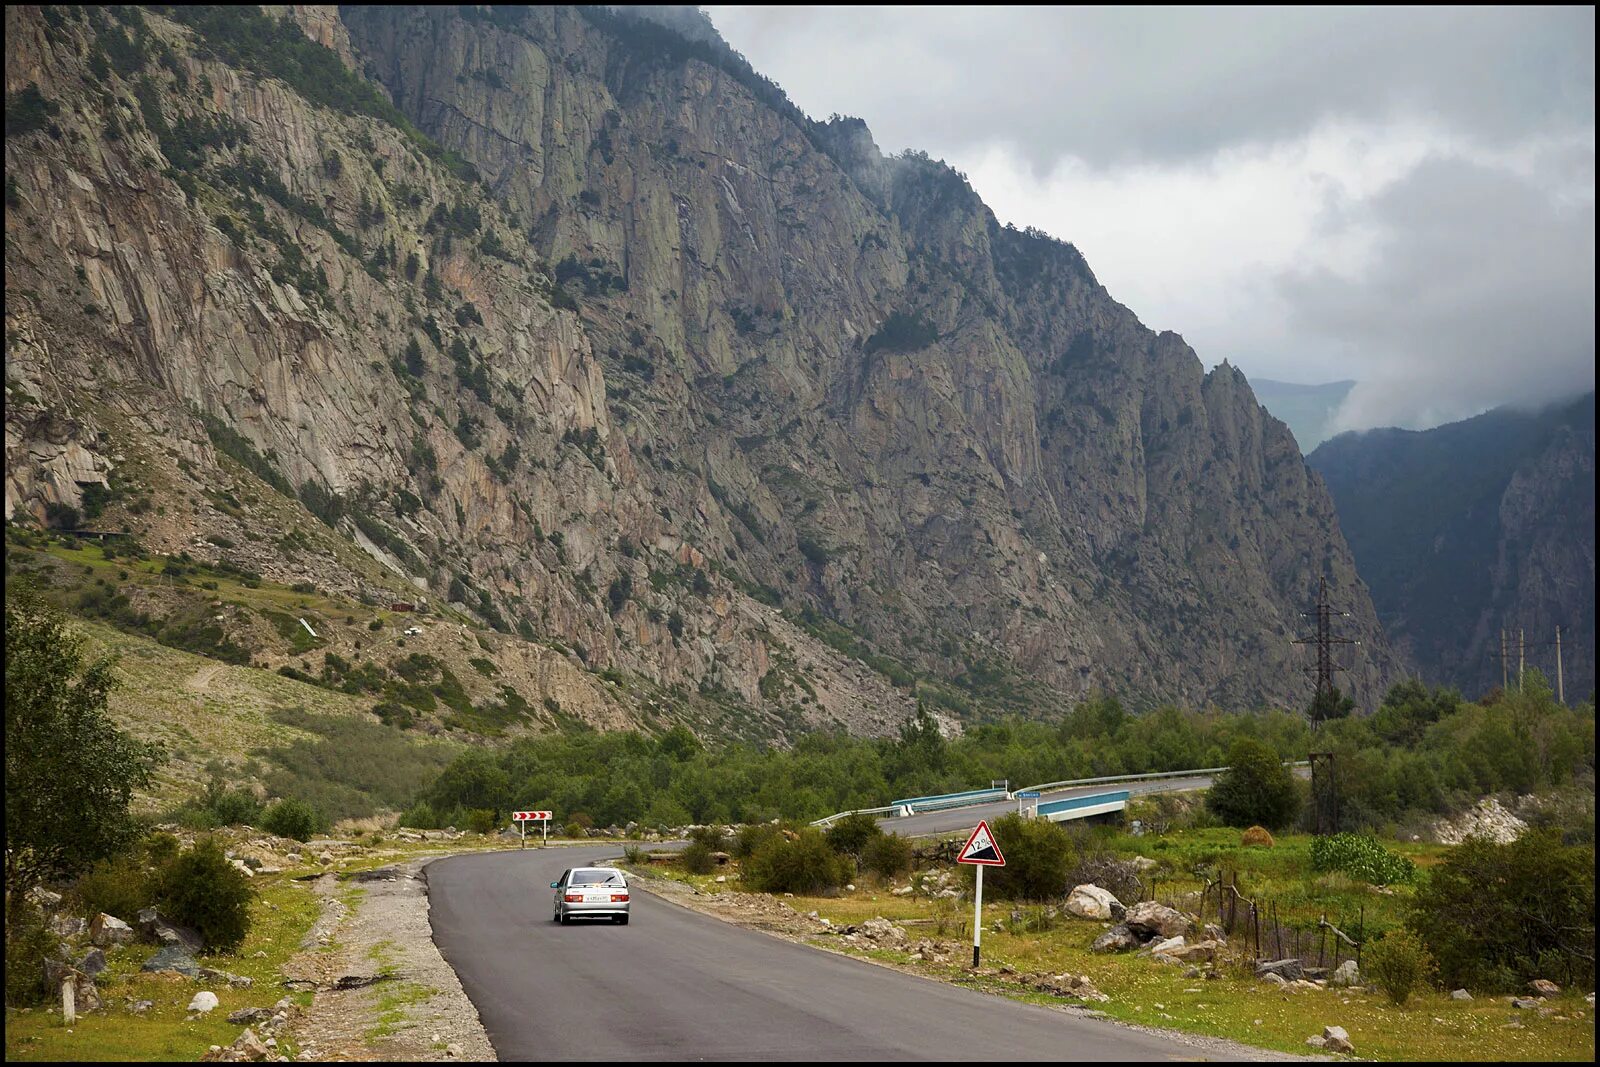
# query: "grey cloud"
x,y
1480,292
1114,86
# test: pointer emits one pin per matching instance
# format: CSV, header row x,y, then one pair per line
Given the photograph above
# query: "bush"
x,y
1256,788
887,855
712,837
1498,916
292,818
483,821
1397,964
635,855
1256,837
201,889
1361,857
803,865
1039,855
698,858
751,837
118,886
851,834
29,942
421,816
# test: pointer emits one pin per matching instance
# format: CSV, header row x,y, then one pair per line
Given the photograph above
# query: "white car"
x,y
591,892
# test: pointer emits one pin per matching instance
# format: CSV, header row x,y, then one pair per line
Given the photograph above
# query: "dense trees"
x,y
1424,751
1256,789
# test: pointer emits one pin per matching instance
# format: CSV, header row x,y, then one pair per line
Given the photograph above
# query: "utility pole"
x,y
1522,649
1561,690
1324,640
1504,681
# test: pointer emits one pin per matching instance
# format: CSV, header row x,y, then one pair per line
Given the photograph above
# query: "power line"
x,y
1324,640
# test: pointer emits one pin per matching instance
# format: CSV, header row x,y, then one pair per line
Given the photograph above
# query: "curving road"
x,y
675,984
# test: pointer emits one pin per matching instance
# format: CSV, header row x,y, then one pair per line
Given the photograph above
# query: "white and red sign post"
x,y
523,818
981,850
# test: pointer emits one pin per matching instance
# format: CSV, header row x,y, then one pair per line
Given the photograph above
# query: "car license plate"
x,y
596,898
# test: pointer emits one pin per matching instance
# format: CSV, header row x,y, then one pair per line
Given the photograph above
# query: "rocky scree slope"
x,y
577,326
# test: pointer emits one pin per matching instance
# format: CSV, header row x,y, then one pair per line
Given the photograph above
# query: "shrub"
x,y
751,837
713,837
1256,788
698,858
203,890
635,855
118,886
851,834
1039,855
1397,964
1256,837
29,942
1497,916
1361,856
803,865
291,818
574,829
483,821
887,855
421,816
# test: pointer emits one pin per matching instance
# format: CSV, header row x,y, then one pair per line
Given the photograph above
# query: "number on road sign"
x,y
981,848
531,816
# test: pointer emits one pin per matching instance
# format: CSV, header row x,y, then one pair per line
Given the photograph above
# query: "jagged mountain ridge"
x,y
683,358
1472,527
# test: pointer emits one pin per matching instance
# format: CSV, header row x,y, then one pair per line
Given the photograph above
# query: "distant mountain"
x,y
1473,526
1308,409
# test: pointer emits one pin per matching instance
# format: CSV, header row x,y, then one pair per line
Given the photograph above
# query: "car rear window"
x,y
596,878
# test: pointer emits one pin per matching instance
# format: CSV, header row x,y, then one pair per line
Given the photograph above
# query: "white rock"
x,y
1092,902
1336,1039
1170,944
204,1002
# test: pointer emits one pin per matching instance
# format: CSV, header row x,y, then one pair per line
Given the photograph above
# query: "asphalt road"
x,y
939,822
675,984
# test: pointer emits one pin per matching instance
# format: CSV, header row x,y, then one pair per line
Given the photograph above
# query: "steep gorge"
x,y
577,328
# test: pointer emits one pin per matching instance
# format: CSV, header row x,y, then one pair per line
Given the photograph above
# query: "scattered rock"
x,y
881,929
1335,1039
1092,902
1144,863
249,1016
1524,1003
153,925
204,1002
43,898
237,981
1199,952
1274,979
1166,945
67,927
1214,932
1346,974
173,958
1149,919
1544,987
1287,969
1487,819
1117,939
248,1048
139,1007
93,963
1460,994
106,930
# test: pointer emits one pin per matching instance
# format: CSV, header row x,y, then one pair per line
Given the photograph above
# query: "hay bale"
x,y
1257,837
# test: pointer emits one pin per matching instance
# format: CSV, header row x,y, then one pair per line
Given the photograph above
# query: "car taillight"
x,y
616,897
574,898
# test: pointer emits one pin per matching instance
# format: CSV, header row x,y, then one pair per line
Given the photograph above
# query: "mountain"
x,y
1307,409
576,329
1472,527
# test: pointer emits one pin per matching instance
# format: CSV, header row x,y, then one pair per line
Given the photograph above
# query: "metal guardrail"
x,y
940,801
985,795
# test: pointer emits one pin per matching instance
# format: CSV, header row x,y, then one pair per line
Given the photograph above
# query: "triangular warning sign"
x,y
981,848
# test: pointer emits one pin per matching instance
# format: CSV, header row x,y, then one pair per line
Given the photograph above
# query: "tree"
x,y
70,773
1038,853
1329,704
1256,789
414,364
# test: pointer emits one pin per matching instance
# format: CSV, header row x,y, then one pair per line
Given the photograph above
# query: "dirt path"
x,y
200,680
383,992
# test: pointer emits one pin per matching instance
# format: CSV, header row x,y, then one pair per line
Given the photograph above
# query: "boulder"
x,y
43,898
1214,932
154,926
1460,994
237,981
1117,939
1289,969
1346,974
1335,1039
1524,1003
881,929
204,1002
1144,863
1166,946
93,963
1199,952
1149,919
173,958
247,1048
1274,979
1092,902
106,930
248,1016
68,927
1544,987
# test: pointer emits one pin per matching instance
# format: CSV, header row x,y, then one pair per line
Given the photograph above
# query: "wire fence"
x,y
1267,936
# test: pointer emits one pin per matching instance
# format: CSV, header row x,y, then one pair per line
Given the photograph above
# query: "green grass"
x,y
392,1004
281,916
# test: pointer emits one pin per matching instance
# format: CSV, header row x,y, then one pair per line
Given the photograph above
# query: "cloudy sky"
x,y
1400,196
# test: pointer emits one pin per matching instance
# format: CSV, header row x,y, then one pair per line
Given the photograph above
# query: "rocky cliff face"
x,y
1474,527
575,324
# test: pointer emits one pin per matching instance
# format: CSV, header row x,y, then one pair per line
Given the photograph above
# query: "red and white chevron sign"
x,y
532,816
